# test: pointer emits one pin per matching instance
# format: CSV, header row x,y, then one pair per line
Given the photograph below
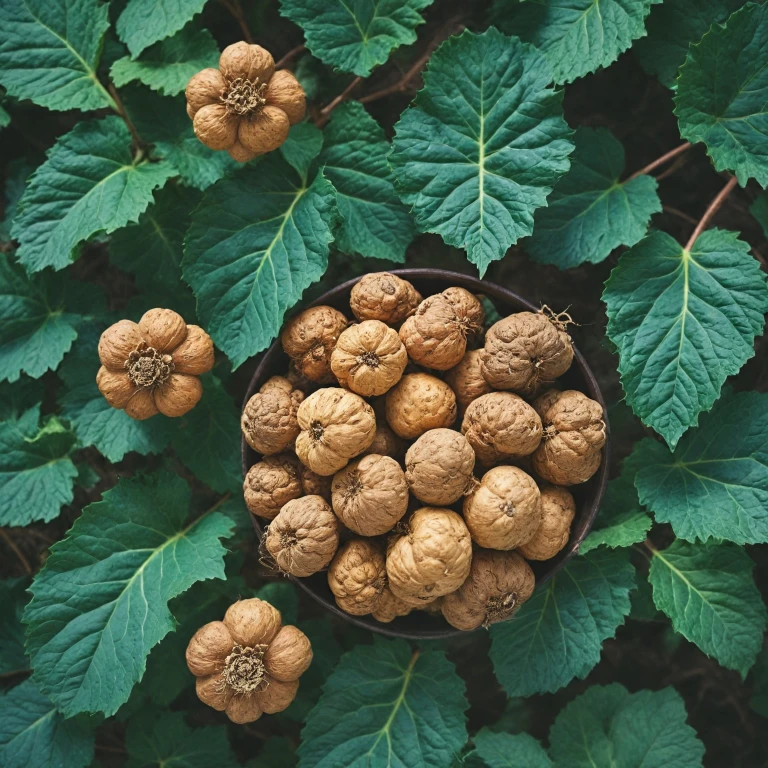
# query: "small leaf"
x,y
355,37
258,239
49,52
590,212
302,146
13,659
683,322
144,22
168,66
100,603
506,750
374,221
709,593
483,144
384,705
89,183
557,635
722,94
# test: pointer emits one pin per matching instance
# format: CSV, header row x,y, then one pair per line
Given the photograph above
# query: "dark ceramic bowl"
x,y
419,625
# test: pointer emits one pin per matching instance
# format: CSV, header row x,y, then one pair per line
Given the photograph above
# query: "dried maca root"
x,y
270,418
309,340
272,483
385,297
436,335
249,663
526,352
385,441
390,607
419,402
466,379
497,585
357,577
557,512
315,485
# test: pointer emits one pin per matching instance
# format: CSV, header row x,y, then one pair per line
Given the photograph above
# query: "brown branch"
x,y
680,214
326,110
714,207
138,144
16,551
233,6
14,673
661,160
292,54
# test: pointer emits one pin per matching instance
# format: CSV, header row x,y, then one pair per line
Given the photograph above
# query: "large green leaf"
x,y
484,144
708,592
590,211
144,22
256,242
557,635
506,750
610,727
101,602
722,94
715,484
683,322
88,184
355,36
578,36
374,221
49,52
384,705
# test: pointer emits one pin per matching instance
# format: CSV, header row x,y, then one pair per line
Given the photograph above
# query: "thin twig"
x,y
714,206
138,144
661,160
16,551
14,673
326,110
233,6
290,55
679,163
680,214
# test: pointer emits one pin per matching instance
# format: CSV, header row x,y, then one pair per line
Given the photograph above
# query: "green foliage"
x,y
12,599
144,22
471,160
16,177
759,209
504,750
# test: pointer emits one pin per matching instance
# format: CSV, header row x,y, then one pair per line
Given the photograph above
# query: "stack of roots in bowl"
x,y
420,459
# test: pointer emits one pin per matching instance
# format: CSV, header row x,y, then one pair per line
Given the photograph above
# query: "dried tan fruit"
x,y
557,512
315,485
466,379
385,441
370,495
369,358
272,483
439,466
270,418
497,585
390,607
152,366
289,654
436,335
501,426
303,537
504,510
526,352
419,402
357,576
309,340
433,558
336,426
383,296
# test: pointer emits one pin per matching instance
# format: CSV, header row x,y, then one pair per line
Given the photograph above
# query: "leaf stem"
x,y
665,158
680,214
16,551
713,208
326,110
138,144
292,54
236,10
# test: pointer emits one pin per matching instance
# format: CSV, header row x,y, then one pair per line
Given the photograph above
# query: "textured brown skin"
x,y
574,435
439,466
204,88
289,654
357,577
525,352
210,691
315,485
466,379
557,512
208,648
419,402
390,607
215,127
174,397
270,418
386,442
240,154
266,133
370,495
252,622
304,536
493,576
272,483
336,426
433,558
277,696
383,296
195,354
309,340
369,358
285,92
436,334
504,510
249,61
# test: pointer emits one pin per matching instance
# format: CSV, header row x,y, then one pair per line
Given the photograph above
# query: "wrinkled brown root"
x,y
244,670
499,608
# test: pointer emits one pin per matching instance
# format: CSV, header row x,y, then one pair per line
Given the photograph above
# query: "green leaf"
x,y
36,473
88,184
722,94
683,322
100,603
607,727
759,209
5,118
374,221
19,397
13,659
708,592
384,705
168,66
49,52
258,239
277,752
557,635
484,144
590,212
716,482
18,171
282,595
34,734
355,37
672,27
505,750
577,36
144,22
303,145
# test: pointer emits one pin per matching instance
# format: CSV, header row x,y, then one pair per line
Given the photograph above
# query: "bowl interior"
x,y
418,624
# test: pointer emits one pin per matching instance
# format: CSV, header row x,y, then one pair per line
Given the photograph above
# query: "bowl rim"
x,y
495,291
